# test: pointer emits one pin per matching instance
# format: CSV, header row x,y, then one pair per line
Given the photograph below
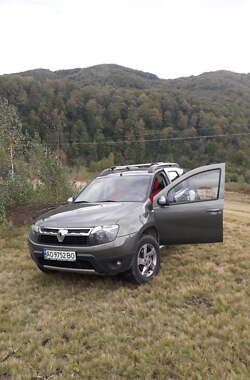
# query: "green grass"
x,y
191,322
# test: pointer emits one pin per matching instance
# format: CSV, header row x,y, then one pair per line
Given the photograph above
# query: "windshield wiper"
x,y
108,200
81,202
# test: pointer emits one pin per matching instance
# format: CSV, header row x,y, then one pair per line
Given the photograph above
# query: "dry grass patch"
x,y
191,322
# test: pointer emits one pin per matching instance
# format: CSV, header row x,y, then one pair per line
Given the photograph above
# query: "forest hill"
x,y
88,114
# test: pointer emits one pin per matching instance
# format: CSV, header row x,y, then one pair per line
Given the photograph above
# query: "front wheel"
x,y
146,263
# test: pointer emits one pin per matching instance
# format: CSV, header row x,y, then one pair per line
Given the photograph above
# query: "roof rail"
x,y
152,166
126,168
134,166
161,165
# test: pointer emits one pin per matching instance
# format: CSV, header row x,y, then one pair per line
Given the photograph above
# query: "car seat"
x,y
156,188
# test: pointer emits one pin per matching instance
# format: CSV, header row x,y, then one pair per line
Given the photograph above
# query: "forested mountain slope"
x,y
89,113
111,75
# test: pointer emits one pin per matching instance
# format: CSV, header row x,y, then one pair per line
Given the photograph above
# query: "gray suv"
x,y
119,220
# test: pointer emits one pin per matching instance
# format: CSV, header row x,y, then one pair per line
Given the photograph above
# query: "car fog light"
x,y
35,228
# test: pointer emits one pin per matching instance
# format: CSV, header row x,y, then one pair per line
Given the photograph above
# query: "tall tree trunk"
x,y
12,162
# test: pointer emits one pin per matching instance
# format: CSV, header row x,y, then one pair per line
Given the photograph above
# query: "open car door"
x,y
190,209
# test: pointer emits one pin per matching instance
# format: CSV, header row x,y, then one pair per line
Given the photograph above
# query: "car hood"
x,y
90,214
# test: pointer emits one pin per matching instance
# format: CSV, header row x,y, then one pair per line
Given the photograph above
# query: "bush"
x,y
106,162
55,179
14,192
2,210
238,187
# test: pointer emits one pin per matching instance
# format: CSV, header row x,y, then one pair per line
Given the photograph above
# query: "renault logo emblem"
x,y
61,234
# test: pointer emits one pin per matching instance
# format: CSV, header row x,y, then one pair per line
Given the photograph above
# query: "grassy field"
x,y
191,322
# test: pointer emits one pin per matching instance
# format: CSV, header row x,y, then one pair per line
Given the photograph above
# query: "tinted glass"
x,y
116,188
200,187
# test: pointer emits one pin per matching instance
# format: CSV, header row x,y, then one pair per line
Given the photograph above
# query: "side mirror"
x,y
162,201
70,200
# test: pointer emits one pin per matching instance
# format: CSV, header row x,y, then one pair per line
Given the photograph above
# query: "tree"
x,y
119,129
140,136
81,114
11,137
182,121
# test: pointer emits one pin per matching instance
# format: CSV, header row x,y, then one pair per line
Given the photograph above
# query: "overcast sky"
x,y
170,38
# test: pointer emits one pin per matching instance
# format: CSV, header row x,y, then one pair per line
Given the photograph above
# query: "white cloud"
x,y
168,38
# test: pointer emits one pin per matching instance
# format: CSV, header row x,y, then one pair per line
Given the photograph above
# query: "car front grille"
x,y
68,240
65,237
71,231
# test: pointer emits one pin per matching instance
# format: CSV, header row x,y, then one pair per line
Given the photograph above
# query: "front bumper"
x,y
110,258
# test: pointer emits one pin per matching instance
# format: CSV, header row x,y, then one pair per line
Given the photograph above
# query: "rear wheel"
x,y
146,263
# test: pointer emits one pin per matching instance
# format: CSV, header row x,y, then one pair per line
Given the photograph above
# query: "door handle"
x,y
214,211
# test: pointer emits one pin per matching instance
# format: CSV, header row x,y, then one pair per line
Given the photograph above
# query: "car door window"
x,y
158,184
173,175
203,186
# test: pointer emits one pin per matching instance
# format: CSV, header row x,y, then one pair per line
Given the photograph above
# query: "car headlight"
x,y
35,228
103,234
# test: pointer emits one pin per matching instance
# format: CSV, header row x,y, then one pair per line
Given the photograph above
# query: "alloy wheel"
x,y
147,260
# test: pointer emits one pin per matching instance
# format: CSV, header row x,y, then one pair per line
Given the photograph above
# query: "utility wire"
x,y
110,142
158,132
172,139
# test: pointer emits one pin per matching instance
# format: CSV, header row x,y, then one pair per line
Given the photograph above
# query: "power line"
x,y
110,142
158,132
173,139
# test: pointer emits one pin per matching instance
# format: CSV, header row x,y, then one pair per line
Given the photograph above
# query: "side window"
x,y
200,187
158,184
162,181
172,175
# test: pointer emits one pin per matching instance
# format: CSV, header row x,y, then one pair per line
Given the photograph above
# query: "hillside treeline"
x,y
84,115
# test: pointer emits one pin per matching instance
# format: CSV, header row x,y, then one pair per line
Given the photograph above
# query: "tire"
x,y
146,263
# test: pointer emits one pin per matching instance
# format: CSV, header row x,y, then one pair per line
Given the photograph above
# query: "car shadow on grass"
x,y
61,278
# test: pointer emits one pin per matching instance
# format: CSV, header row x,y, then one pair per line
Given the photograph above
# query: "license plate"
x,y
59,255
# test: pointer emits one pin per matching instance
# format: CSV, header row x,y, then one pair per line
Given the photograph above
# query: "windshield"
x,y
116,189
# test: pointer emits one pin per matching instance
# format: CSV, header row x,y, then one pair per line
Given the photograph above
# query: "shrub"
x,y
55,179
106,162
238,187
14,192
